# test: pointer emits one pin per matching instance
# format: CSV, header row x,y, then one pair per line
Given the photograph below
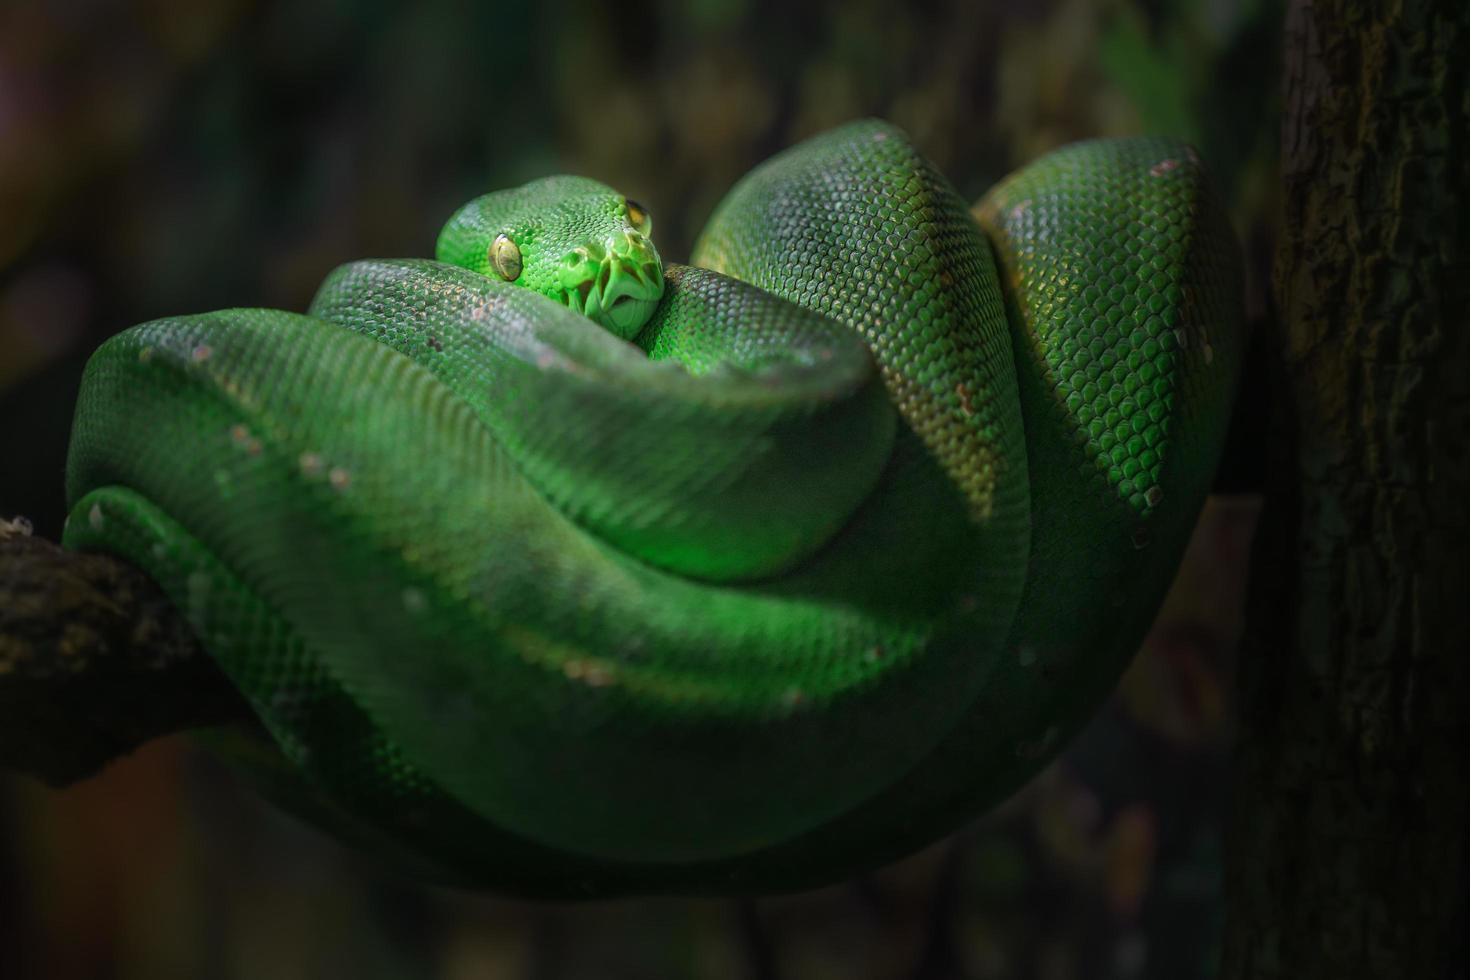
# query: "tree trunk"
x,y
1348,845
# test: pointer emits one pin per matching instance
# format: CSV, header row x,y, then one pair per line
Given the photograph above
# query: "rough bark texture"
x,y
93,662
1348,851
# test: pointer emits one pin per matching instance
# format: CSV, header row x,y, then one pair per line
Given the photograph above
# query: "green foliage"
x,y
1206,73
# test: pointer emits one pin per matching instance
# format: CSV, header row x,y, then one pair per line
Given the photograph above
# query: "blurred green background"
x,y
164,156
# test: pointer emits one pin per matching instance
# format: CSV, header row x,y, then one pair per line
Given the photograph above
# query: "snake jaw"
x,y
617,284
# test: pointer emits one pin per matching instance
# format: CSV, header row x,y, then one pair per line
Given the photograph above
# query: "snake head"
x,y
571,239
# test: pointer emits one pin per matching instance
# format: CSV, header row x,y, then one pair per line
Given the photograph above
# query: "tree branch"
x,y
94,661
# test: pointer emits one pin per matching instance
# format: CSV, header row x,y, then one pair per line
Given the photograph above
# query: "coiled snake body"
x,y
809,552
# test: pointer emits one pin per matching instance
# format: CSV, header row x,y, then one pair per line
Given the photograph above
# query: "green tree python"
x,y
551,569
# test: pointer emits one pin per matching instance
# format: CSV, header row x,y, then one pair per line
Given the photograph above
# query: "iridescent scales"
x,y
817,566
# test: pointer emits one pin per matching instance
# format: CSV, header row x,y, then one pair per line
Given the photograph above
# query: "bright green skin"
x,y
805,586
577,246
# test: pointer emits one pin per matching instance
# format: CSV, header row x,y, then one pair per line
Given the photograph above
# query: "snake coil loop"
x,y
553,569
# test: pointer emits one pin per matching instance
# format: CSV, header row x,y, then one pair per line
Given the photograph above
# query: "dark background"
x,y
167,156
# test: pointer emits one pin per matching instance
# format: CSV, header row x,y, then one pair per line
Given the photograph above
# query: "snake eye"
x,y
505,257
639,217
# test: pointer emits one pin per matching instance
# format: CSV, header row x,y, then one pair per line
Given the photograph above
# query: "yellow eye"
x,y
638,217
505,258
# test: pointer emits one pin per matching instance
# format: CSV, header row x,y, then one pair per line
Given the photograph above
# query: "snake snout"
x,y
618,282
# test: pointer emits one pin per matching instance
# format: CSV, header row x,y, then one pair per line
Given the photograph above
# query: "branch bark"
x,y
94,662
1348,844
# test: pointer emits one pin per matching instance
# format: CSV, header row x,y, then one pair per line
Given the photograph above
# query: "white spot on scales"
x,y
589,672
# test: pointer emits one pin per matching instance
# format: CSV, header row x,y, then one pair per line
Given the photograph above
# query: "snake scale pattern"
x,y
553,569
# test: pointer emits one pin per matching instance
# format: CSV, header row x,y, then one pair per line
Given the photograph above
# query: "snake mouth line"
x,y
620,293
